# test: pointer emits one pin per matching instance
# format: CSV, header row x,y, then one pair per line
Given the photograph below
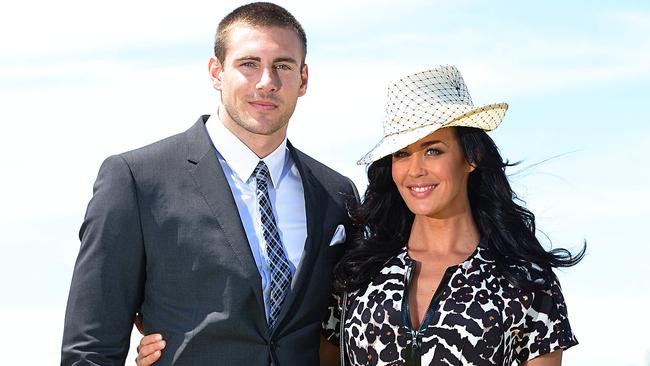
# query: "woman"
x,y
446,268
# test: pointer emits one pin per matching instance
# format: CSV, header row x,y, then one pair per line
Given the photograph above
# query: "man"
x,y
224,236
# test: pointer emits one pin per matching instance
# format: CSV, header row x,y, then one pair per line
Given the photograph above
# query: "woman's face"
x,y
431,175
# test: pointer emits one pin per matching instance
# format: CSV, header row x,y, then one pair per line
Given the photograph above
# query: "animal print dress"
x,y
475,318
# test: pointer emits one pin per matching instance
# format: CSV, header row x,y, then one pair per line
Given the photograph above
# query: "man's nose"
x,y
269,81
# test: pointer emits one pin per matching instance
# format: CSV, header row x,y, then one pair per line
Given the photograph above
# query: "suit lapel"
x,y
213,185
315,196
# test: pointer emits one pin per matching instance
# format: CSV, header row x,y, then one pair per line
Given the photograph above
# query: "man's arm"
x,y
108,278
329,353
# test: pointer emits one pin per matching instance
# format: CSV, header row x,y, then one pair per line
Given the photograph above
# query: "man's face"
x,y
260,81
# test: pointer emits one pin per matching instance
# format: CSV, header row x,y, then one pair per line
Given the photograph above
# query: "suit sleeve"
x,y
108,278
356,192
354,201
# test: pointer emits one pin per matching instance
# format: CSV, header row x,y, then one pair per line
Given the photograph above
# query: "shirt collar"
x,y
239,157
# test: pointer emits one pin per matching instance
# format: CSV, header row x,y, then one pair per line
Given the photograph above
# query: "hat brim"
x,y
487,117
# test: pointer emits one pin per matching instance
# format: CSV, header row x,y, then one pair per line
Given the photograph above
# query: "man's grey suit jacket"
x,y
162,235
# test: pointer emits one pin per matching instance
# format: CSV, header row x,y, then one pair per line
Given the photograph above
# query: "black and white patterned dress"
x,y
476,318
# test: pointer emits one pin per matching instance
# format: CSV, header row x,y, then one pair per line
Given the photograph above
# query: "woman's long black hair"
x,y
383,221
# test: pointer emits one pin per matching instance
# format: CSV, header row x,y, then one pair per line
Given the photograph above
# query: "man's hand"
x,y
150,349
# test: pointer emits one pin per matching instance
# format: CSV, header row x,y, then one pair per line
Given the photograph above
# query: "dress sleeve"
x,y
330,327
546,325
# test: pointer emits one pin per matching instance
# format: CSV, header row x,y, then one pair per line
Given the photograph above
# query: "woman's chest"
x,y
473,323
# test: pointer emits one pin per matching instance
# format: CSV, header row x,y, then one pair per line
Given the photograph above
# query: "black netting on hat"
x,y
420,103
428,97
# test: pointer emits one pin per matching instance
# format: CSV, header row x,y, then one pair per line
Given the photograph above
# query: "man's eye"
x,y
282,67
248,64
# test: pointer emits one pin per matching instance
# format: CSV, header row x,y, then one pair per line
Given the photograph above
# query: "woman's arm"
x,y
549,359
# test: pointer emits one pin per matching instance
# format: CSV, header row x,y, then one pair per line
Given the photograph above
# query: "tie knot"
x,y
261,172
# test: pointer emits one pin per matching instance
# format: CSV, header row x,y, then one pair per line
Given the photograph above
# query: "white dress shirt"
x,y
285,191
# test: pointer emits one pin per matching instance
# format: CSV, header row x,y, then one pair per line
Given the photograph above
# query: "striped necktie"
x,y
277,259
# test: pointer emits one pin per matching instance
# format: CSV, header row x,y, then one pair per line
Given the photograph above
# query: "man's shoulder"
x,y
317,168
177,145
156,150
330,178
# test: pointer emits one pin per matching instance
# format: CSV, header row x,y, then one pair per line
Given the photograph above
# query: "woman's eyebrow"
x,y
432,142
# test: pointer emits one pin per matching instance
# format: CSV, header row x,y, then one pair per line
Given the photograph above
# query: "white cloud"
x,y
47,28
514,58
61,133
24,325
631,21
603,331
44,28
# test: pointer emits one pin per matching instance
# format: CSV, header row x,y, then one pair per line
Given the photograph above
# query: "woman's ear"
x,y
472,163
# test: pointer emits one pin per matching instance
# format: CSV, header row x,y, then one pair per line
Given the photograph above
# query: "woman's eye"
x,y
433,152
399,154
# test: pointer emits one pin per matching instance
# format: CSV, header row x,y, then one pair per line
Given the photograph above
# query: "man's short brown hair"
x,y
260,14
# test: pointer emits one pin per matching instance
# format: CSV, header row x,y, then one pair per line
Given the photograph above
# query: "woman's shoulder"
x,y
543,278
546,284
392,269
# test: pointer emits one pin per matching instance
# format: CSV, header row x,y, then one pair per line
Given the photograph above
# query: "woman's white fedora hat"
x,y
424,102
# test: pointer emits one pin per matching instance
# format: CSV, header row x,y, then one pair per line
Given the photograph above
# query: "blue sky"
x,y
80,81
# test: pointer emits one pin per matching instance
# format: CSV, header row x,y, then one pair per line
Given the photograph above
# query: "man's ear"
x,y
215,69
304,77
